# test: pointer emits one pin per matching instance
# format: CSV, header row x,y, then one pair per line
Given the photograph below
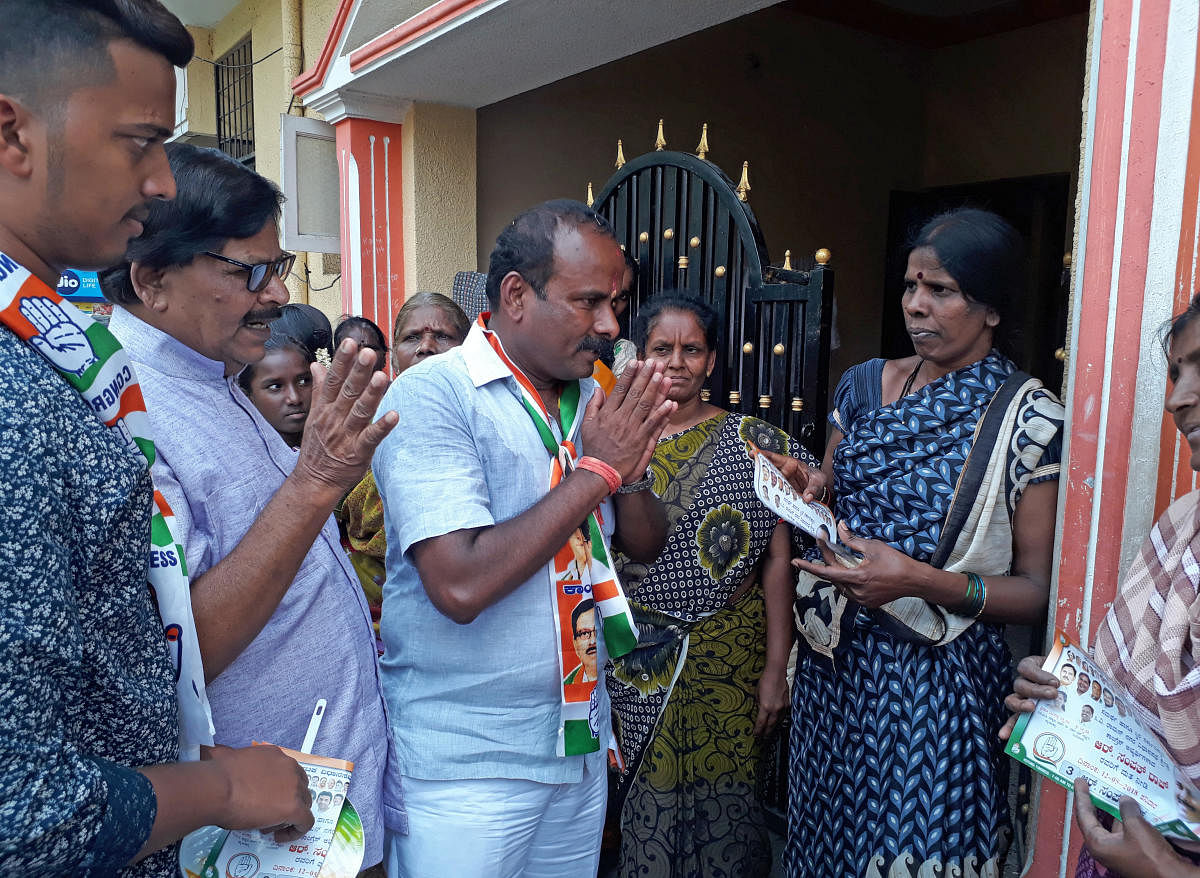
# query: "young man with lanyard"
x,y
101,687
508,448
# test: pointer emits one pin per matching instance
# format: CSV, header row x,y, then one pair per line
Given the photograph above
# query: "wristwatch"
x,y
642,484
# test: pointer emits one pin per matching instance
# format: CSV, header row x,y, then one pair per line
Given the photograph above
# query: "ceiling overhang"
x,y
200,13
476,52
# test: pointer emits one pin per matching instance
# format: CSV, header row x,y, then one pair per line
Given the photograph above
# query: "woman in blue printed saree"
x,y
714,613
944,472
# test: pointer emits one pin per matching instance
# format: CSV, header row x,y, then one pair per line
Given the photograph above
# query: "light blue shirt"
x,y
480,700
219,464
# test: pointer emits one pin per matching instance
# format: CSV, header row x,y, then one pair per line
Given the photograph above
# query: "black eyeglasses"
x,y
260,273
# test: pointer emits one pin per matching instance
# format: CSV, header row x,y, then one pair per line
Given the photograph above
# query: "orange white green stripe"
x,y
91,360
573,577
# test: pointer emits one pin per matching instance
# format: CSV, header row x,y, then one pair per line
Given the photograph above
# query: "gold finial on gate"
x,y
743,186
660,142
695,242
590,198
719,271
787,260
702,146
822,256
705,394
797,404
735,397
620,155
644,237
764,401
682,262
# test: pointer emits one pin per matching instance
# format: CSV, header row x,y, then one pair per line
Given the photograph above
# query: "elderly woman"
x,y
427,324
1145,644
714,612
900,683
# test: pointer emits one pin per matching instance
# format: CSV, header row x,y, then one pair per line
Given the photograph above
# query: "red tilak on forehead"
x,y
616,281
920,275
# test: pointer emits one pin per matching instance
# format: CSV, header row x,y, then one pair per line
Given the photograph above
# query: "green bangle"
x,y
976,597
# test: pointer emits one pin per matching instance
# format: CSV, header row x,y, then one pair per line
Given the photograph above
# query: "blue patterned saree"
x,y
895,766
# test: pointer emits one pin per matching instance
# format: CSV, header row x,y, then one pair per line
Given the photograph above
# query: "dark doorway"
x,y
1039,208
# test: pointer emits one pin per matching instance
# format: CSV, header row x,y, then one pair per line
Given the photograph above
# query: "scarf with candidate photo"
x,y
571,580
91,360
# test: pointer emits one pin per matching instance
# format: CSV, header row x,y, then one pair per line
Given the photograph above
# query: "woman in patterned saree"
x,y
1146,643
899,688
714,612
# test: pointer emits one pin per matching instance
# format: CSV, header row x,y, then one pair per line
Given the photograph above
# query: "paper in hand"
x,y
815,519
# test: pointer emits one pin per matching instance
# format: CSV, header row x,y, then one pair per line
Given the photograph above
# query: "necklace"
x,y
911,378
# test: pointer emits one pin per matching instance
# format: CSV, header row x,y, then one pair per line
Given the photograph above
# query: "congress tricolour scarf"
x,y
92,361
576,574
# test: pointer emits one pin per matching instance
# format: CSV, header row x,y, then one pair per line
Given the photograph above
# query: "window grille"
x,y
235,103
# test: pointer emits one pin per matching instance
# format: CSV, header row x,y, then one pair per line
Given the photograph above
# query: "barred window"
x,y
235,103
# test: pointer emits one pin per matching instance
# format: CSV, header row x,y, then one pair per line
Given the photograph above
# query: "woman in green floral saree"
x,y
714,612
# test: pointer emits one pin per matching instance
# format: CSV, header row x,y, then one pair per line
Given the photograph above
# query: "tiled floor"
x,y
776,869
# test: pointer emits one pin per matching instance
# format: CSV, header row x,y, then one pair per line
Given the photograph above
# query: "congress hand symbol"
x,y
59,339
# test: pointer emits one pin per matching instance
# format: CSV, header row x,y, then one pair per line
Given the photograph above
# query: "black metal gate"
x,y
692,230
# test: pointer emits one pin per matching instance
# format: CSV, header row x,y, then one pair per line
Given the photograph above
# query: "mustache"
x,y
599,345
266,315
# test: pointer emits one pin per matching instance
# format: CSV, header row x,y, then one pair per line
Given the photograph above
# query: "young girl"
x,y
280,386
366,333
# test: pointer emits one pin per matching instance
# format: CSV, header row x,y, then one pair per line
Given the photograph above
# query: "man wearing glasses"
x,y
583,631
195,301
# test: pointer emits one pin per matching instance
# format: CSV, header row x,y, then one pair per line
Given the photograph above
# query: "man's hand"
x,y
1133,848
268,790
1031,686
806,480
623,429
339,437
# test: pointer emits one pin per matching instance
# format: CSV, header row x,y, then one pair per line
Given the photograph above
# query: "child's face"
x,y
281,389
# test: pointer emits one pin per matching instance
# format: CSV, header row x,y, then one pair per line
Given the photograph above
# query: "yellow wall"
x,y
263,22
439,196
202,97
832,120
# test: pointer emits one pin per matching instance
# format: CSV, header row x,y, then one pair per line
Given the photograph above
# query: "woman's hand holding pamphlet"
x,y
1091,730
815,519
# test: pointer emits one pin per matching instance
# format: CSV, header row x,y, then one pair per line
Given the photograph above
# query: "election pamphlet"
x,y
815,519
333,848
1091,730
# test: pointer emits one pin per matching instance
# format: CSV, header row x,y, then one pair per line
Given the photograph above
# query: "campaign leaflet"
x,y
815,519
1091,730
253,854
